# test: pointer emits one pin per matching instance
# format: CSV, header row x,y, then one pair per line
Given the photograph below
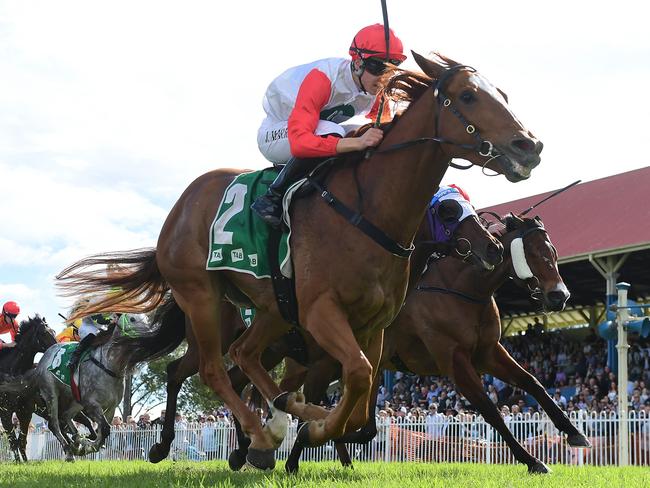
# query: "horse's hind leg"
x,y
177,372
470,385
504,367
201,300
52,403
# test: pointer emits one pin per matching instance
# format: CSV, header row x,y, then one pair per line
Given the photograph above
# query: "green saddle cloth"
x,y
59,363
238,237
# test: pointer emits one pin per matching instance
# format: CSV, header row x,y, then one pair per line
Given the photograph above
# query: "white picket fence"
x,y
464,438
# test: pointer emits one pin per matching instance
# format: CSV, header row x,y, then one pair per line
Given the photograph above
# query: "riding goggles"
x,y
376,66
11,315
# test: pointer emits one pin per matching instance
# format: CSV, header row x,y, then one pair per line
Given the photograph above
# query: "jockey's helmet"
x,y
11,309
370,42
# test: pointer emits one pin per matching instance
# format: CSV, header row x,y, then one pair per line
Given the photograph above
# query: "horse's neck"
x,y
495,279
397,186
21,360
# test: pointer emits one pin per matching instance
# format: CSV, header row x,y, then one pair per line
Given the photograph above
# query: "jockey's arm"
x,y
7,345
313,94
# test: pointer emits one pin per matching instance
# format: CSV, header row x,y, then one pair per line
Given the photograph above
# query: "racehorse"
x,y
349,287
34,336
450,326
449,230
101,379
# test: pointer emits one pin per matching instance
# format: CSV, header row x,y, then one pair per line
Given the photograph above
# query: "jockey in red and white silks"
x,y
306,106
307,102
312,100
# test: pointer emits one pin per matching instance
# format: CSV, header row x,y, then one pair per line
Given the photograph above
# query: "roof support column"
x,y
608,267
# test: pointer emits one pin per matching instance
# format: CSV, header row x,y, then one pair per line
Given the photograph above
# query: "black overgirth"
x,y
455,293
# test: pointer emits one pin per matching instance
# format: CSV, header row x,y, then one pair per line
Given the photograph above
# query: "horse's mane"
x,y
27,325
406,86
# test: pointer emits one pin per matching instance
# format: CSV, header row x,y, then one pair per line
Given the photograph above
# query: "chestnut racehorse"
x,y
349,288
468,240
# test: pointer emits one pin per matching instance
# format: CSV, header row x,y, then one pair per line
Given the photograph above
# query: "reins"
x,y
357,219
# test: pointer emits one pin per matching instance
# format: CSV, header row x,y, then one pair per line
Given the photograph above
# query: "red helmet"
x,y
371,42
11,308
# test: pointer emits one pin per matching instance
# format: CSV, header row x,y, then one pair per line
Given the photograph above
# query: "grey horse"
x,y
100,378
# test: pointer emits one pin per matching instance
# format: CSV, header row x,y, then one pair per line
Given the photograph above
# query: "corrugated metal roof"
x,y
608,214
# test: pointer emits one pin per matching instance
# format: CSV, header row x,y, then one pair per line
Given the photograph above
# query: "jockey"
x,y
8,323
89,328
70,333
306,105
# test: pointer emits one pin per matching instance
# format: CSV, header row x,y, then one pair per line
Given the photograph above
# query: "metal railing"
x,y
463,438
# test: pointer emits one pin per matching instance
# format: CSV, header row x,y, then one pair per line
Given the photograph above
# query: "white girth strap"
x,y
522,269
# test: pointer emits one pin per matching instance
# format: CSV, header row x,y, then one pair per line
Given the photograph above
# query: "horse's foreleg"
x,y
177,372
96,413
24,418
470,385
503,366
247,351
330,328
203,309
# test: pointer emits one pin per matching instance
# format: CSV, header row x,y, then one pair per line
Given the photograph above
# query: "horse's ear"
x,y
503,94
430,67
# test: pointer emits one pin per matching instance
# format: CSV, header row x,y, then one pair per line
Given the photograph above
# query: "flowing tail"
x,y
166,334
127,281
19,384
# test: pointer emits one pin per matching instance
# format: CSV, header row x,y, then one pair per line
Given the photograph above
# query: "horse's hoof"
x,y
263,459
578,440
237,459
538,468
280,402
69,458
157,453
292,464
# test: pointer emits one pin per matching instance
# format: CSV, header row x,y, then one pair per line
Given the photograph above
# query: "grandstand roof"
x,y
604,218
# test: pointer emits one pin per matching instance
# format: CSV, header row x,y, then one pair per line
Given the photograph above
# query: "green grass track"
x,y
139,474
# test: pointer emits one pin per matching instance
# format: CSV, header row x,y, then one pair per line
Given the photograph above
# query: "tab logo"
x,y
217,255
253,260
237,255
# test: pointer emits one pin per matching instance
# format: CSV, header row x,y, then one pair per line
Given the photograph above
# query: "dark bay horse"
x,y
349,288
465,239
450,326
34,336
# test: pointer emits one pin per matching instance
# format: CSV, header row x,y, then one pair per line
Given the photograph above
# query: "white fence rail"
x,y
464,438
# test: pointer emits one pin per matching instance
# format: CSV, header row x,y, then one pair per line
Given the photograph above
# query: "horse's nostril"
x,y
524,144
557,297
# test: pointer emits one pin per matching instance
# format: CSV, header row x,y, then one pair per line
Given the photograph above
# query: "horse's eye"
x,y
467,97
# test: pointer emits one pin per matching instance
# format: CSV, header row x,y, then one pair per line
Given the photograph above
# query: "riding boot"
x,y
83,346
269,205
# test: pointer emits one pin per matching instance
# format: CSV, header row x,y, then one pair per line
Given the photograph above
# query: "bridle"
x,y
483,147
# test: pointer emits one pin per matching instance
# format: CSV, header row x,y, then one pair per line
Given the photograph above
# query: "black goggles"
x,y
11,315
376,66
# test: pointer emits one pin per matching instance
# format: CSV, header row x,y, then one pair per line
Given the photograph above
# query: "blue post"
x,y
389,381
612,353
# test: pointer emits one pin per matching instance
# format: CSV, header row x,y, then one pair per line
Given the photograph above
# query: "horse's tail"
x,y
127,281
18,384
165,335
